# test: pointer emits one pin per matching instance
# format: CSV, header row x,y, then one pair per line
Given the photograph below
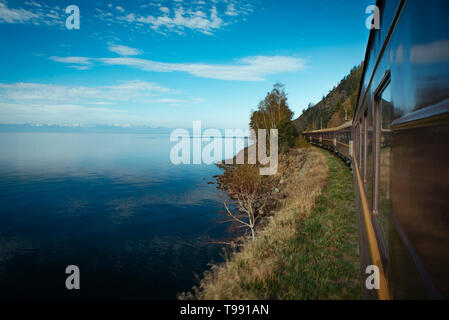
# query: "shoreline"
x,y
271,196
294,254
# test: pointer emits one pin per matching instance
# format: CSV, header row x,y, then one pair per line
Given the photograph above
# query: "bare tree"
x,y
252,196
246,217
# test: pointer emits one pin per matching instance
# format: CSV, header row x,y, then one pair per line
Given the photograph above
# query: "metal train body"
x,y
398,147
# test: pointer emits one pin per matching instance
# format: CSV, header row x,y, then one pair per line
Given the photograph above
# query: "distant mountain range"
x,y
82,129
98,129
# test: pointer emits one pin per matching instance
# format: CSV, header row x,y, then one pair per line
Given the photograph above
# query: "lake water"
x,y
136,225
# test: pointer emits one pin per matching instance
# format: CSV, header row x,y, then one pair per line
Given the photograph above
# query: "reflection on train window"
x,y
369,157
360,145
382,208
365,145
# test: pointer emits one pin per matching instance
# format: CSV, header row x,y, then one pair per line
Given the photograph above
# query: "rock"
x,y
276,190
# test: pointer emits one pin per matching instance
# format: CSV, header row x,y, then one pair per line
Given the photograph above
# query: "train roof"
x,y
348,124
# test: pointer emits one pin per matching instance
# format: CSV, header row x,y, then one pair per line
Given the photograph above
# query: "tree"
x,y
274,113
287,134
252,194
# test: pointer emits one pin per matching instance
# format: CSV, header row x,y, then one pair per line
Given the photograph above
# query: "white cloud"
x,y
169,100
164,10
201,16
79,63
8,15
72,60
102,103
32,3
79,67
180,20
124,50
177,102
33,13
56,93
59,113
247,69
205,17
138,86
45,103
231,11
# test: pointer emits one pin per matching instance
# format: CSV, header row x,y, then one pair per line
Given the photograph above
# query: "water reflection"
x,y
113,204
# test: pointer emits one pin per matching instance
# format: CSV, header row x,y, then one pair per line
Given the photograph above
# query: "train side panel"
x,y
400,134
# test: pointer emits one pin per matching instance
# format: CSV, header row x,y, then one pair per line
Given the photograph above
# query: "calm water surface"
x,y
136,225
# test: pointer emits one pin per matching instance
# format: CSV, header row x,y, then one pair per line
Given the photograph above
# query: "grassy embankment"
x,y
308,250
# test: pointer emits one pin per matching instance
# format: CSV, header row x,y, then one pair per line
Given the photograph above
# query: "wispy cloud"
x,y
79,63
20,113
56,93
31,13
165,17
231,11
177,102
205,17
48,103
180,20
124,50
247,69
8,15
120,9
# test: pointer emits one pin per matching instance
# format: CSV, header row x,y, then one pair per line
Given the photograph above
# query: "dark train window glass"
x,y
382,206
369,157
356,143
360,146
365,147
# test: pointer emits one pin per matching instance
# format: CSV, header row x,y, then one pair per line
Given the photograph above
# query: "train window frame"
x,y
365,147
360,144
377,127
377,136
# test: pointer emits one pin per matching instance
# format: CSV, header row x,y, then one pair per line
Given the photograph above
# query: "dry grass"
x,y
249,273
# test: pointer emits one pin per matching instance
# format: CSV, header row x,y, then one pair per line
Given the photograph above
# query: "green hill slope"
x,y
330,111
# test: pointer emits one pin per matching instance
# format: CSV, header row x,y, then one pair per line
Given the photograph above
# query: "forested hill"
x,y
331,110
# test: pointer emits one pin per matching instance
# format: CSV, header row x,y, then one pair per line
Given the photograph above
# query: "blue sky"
x,y
168,63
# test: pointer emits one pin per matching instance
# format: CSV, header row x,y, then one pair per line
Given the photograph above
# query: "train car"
x,y
400,151
400,132
343,142
337,140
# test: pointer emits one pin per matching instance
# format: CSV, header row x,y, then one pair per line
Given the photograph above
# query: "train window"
x,y
382,198
360,145
369,149
356,143
365,146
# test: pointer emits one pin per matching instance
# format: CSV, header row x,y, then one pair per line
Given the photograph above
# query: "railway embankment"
x,y
307,249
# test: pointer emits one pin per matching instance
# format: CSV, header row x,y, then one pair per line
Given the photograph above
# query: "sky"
x,y
170,62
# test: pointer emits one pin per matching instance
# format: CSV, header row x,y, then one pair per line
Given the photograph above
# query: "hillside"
x,y
331,110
